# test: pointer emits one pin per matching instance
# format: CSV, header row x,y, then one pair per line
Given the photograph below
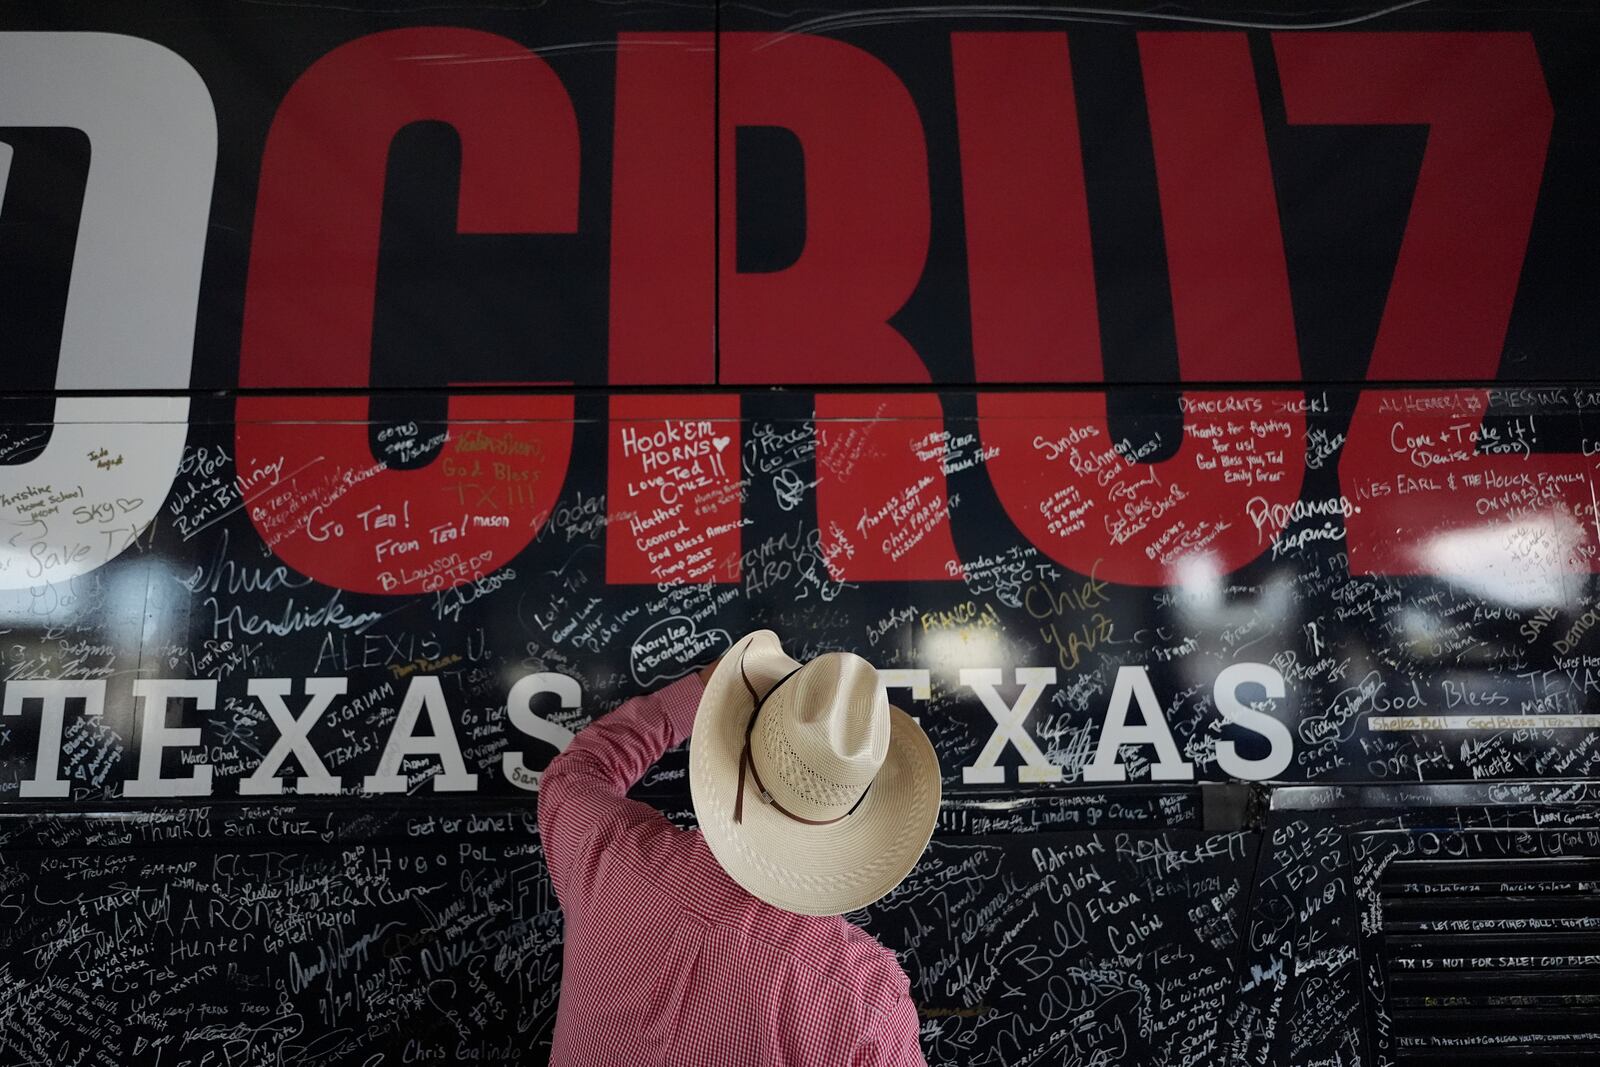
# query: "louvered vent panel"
x,y
1493,959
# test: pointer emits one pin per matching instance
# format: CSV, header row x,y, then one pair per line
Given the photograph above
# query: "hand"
x,y
705,672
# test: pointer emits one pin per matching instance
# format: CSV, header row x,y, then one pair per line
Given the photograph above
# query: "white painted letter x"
x,y
263,781
987,770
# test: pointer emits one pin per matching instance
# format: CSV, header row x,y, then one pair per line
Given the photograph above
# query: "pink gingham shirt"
x,y
671,963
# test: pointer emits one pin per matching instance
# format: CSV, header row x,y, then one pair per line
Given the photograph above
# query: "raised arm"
x,y
583,798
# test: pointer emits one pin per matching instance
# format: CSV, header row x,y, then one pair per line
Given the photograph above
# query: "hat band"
x,y
745,759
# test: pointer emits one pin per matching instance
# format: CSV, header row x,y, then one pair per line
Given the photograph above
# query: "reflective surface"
x,y
1394,587
1012,348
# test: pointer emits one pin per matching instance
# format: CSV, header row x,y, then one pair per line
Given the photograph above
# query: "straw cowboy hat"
x,y
812,791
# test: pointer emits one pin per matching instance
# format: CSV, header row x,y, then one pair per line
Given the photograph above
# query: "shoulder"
x,y
868,956
839,955
853,961
865,979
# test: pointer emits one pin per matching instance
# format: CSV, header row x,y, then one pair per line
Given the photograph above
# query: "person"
x,y
726,945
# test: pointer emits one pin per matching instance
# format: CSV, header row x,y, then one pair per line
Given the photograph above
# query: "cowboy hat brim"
x,y
813,870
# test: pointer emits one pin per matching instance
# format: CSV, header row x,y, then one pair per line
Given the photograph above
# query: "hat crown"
x,y
822,736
